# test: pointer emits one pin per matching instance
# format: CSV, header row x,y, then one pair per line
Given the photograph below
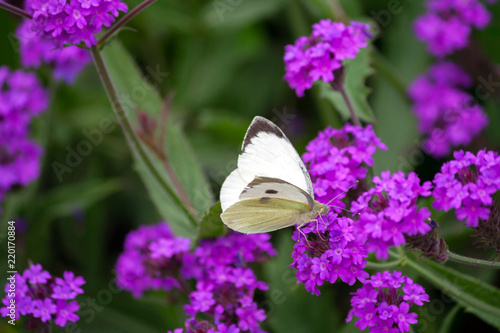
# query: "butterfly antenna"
x,y
343,192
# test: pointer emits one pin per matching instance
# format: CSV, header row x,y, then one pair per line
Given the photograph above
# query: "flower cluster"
x,y
388,211
446,113
330,252
21,98
35,50
335,160
381,305
447,25
468,184
316,57
160,254
40,298
224,284
73,21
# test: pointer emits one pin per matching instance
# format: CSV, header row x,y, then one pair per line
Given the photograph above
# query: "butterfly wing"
x,y
264,214
262,187
266,152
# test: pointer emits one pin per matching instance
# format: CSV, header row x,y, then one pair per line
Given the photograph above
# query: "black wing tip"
x,y
261,124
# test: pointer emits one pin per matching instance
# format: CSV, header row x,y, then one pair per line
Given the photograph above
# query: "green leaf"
x,y
137,92
356,72
65,199
448,320
396,124
211,225
474,295
233,14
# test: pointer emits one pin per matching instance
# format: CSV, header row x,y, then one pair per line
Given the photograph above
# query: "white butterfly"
x,y
271,188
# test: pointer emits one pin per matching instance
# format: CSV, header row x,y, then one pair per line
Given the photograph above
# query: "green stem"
x,y
383,265
338,11
130,134
124,20
450,288
15,10
354,116
472,261
387,70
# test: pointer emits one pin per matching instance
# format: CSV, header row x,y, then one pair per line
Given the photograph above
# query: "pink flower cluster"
x,y
71,22
316,57
40,298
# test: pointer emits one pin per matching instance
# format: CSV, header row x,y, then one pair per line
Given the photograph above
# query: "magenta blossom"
x,y
316,57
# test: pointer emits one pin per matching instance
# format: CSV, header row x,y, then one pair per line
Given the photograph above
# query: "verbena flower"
x,y
73,21
331,252
144,265
224,284
66,62
468,184
41,298
388,211
447,25
447,115
21,99
336,158
384,301
316,57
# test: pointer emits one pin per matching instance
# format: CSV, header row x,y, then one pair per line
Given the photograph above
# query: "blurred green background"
x,y
224,64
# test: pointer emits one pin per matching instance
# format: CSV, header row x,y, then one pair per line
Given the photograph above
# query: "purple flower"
x,y
71,22
381,305
448,118
330,252
38,300
316,57
44,309
152,259
21,98
335,160
155,259
166,248
66,312
388,211
36,275
71,282
447,25
35,50
249,317
468,185
231,286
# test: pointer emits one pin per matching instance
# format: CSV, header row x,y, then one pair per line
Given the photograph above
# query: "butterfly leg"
x,y
299,229
317,229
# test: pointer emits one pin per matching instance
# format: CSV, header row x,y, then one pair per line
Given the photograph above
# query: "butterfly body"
x,y
271,188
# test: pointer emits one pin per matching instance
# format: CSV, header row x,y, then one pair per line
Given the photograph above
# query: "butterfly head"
x,y
320,209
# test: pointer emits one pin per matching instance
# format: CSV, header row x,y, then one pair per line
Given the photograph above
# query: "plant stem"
x,y
338,12
354,116
130,134
15,10
387,70
472,261
383,265
124,20
171,174
450,288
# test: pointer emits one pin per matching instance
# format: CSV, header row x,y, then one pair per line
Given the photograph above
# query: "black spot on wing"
x,y
264,200
271,191
261,124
